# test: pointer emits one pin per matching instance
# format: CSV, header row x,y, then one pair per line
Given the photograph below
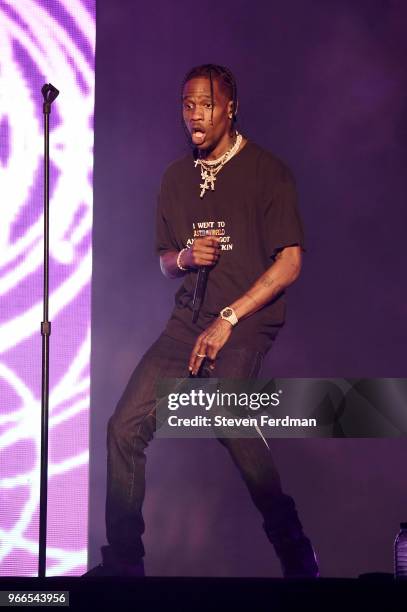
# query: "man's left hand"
x,y
209,344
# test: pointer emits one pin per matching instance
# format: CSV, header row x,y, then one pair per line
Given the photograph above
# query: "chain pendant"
x,y
210,168
208,182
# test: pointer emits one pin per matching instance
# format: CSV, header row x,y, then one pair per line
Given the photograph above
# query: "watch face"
x,y
227,312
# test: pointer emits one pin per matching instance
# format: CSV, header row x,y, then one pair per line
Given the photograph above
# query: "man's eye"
x,y
187,106
208,105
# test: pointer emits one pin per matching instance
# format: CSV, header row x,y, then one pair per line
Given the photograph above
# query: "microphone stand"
x,y
49,93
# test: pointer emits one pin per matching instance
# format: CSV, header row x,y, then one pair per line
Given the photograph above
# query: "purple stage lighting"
x,y
45,41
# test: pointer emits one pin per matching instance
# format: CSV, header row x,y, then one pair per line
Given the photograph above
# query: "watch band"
x,y
229,315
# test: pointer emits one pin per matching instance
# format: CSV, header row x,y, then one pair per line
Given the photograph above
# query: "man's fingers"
x,y
197,356
196,364
208,250
203,349
210,363
205,259
205,251
209,258
211,352
211,240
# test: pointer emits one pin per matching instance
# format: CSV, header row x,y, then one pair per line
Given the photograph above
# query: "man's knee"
x,y
116,430
124,434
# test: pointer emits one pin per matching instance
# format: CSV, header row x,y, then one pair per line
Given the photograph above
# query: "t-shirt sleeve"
x,y
283,226
164,236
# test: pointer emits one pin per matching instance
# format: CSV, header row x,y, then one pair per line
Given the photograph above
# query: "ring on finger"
x,y
199,355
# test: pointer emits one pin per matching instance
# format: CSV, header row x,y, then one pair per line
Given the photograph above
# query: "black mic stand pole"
x,y
49,93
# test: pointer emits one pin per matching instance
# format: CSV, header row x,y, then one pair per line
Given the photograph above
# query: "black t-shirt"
x,y
253,210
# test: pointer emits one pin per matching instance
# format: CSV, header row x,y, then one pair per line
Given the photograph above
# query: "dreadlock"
x,y
225,77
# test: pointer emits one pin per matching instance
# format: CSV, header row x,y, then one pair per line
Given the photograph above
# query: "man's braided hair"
x,y
224,76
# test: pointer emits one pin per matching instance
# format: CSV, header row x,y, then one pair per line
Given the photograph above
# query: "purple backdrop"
x,y
43,41
322,84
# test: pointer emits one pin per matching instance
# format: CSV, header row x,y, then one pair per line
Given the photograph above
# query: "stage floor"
x,y
370,592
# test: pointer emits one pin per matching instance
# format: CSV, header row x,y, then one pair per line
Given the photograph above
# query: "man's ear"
x,y
232,110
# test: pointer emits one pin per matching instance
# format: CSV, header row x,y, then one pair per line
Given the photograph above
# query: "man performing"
x,y
230,208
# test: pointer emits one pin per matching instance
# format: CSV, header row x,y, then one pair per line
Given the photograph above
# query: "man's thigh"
x,y
232,363
166,358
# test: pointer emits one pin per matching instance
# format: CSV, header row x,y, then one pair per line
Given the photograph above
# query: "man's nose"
x,y
197,113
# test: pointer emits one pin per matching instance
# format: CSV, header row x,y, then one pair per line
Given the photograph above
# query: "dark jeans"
x,y
132,427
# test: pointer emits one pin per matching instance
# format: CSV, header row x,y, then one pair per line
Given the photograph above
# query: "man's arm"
x,y
203,252
282,273
169,266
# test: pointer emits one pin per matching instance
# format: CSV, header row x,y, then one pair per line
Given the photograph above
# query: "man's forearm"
x,y
203,252
169,266
278,277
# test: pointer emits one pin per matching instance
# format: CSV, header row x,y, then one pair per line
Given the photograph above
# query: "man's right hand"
x,y
203,252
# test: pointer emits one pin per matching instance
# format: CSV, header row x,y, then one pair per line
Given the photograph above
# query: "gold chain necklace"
x,y
211,167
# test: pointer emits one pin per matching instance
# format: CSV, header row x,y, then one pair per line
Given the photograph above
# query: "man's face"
x,y
208,130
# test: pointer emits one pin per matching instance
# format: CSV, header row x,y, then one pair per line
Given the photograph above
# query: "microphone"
x,y
199,293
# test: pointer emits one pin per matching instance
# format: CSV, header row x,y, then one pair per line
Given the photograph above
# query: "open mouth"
x,y
197,135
